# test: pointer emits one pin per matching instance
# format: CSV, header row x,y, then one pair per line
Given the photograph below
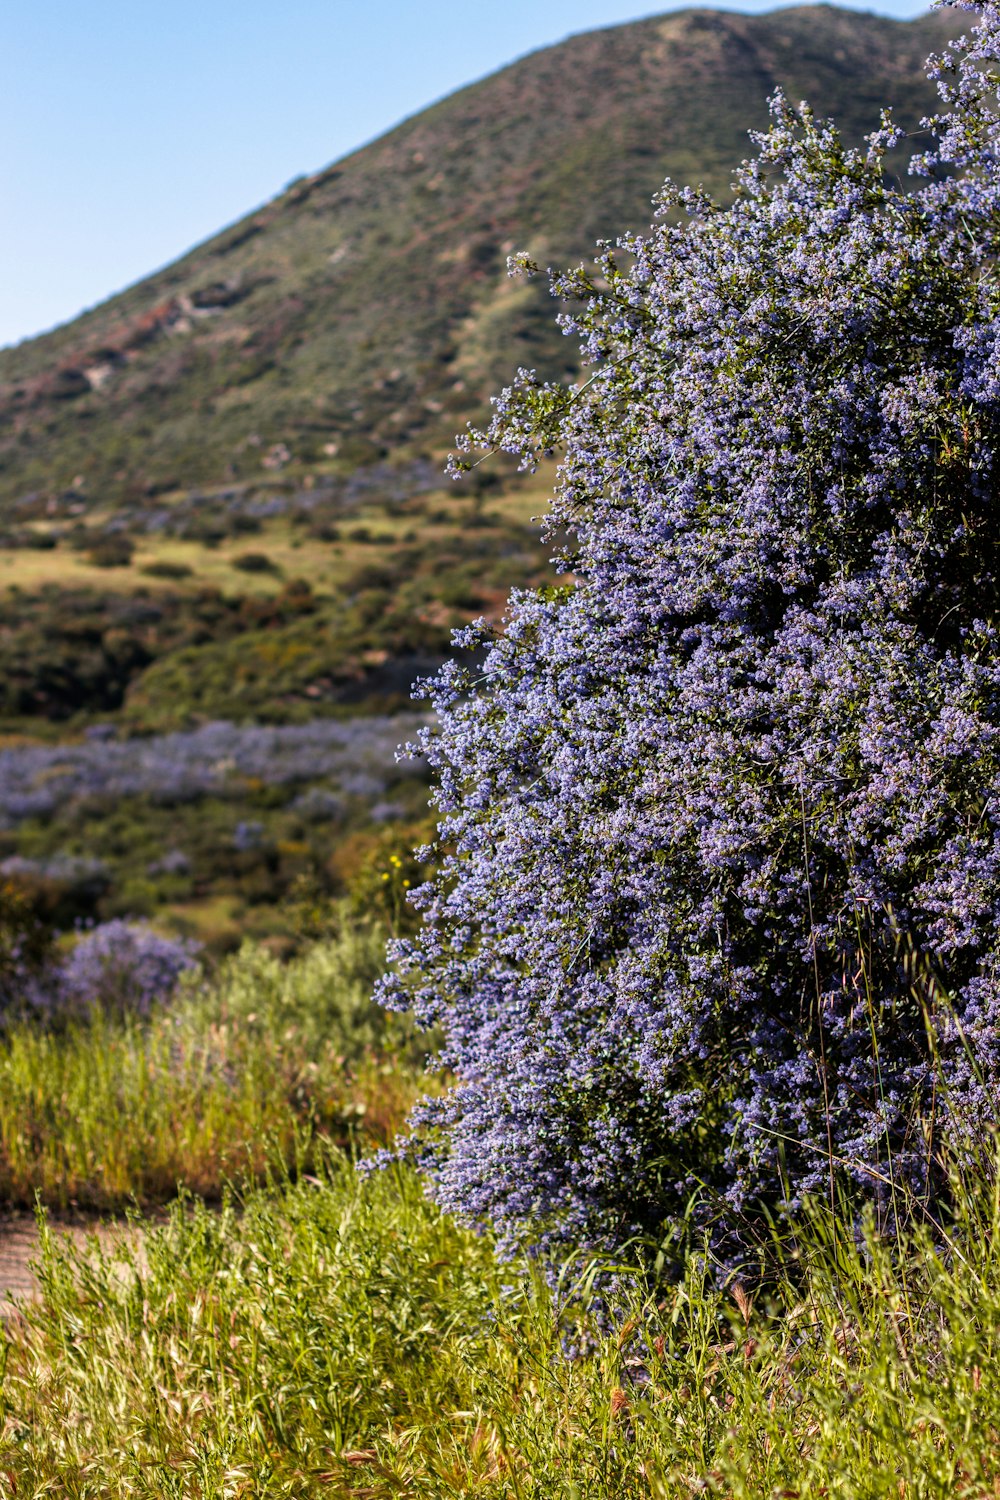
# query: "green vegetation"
x,y
341,1337
292,1328
338,627
305,623
179,862
247,1069
366,310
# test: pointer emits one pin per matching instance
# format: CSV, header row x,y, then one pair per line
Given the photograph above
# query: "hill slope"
x,y
366,310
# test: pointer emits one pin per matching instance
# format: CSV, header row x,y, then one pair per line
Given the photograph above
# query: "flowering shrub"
x,y
37,781
119,966
122,966
719,897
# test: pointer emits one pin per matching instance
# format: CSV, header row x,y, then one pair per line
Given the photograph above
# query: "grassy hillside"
x,y
366,312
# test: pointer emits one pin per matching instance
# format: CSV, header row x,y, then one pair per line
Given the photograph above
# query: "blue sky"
x,y
132,129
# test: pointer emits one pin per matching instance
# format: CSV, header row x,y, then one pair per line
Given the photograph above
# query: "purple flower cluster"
x,y
123,966
38,780
719,899
119,966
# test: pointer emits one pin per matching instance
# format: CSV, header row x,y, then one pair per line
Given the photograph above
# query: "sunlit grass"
x,y
209,919
250,1069
326,566
319,1332
313,1331
342,1337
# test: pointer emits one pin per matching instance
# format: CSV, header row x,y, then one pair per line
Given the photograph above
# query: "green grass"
x,y
290,1327
251,1068
341,1337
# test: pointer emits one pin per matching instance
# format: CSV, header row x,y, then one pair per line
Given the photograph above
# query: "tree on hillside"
x,y
719,896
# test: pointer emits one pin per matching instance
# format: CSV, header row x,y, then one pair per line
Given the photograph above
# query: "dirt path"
x,y
18,1238
19,1246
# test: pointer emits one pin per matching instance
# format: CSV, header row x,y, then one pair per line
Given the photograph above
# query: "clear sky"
x,y
132,129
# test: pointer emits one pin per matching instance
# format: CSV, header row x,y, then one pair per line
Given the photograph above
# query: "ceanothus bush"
x,y
719,892
119,966
123,966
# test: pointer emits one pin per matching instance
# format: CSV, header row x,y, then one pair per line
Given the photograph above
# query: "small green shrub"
x,y
255,562
113,551
39,541
163,568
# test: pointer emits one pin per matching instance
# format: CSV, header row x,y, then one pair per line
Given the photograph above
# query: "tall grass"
x,y
342,1337
255,1065
323,1333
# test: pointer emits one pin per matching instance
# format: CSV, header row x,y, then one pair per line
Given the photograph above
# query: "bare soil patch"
x,y
19,1247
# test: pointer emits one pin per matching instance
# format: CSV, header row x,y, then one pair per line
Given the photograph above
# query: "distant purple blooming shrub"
x,y
38,781
719,895
120,966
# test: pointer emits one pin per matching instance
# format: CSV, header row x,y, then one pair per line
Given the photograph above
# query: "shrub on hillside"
x,y
163,567
255,562
720,911
112,551
118,966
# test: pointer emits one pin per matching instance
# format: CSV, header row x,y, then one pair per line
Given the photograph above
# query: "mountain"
x,y
365,312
